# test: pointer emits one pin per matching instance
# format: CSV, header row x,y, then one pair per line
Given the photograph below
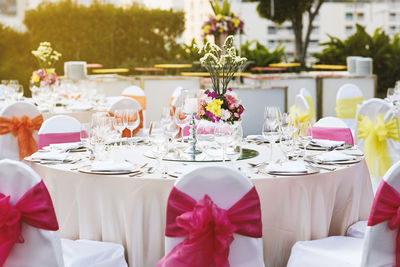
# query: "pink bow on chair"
x,y
386,207
208,228
34,208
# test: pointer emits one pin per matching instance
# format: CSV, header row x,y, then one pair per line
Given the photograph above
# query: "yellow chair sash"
x,y
299,116
311,105
346,108
375,146
141,99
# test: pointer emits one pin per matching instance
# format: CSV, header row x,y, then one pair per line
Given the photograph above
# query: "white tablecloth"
x,y
131,211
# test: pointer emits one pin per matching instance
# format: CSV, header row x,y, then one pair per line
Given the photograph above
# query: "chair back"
x,y
9,142
307,95
176,99
136,93
380,240
40,247
128,103
225,186
75,70
377,109
59,129
332,128
347,99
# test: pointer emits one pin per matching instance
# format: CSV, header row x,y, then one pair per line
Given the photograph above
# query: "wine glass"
x,y
133,120
181,119
119,126
305,135
205,137
159,142
223,136
123,115
234,150
167,115
270,132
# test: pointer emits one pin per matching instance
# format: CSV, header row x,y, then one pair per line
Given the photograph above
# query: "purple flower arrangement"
x,y
44,77
220,24
214,107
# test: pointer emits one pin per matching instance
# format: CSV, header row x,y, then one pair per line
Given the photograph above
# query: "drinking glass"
x,y
181,119
205,137
305,135
286,145
133,120
123,115
159,142
119,127
223,136
271,132
234,150
271,112
85,135
167,115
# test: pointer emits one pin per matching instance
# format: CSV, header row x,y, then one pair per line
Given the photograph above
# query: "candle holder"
x,y
192,149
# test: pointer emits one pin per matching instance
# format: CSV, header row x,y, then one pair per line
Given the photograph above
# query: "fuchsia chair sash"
x,y
56,138
386,207
34,208
334,134
208,228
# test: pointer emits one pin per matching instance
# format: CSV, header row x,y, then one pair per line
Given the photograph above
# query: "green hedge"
x,y
384,52
100,33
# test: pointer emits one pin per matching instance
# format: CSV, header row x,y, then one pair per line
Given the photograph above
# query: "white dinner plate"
x,y
310,170
88,169
317,161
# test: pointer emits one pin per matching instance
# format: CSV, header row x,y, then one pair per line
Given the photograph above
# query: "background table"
x,y
131,211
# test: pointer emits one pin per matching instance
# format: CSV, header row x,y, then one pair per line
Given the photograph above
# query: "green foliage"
x,y
260,56
384,52
103,33
17,62
283,9
225,9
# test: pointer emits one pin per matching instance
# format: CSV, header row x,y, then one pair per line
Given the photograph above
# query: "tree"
x,y
280,11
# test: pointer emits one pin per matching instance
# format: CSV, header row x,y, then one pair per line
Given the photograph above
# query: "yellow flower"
x,y
215,107
50,71
206,29
235,22
35,78
219,17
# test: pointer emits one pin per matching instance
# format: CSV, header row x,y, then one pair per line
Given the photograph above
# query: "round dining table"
x,y
132,210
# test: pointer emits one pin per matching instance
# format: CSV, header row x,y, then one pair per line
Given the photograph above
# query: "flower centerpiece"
x,y
46,57
223,23
220,103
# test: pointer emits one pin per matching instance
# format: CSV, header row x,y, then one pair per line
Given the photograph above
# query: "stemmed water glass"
x,y
181,119
305,135
235,148
119,127
271,126
159,142
205,137
133,120
223,136
123,115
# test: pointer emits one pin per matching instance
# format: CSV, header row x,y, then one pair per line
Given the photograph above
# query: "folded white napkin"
x,y
287,167
65,146
326,143
43,109
79,107
53,155
110,166
334,156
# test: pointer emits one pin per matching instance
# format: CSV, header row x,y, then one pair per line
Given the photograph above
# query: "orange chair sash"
x,y
141,99
126,132
22,128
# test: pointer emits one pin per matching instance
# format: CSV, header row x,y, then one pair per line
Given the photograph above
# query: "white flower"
x,y
225,114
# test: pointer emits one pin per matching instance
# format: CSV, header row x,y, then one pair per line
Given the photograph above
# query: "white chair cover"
x,y
75,70
331,122
8,142
176,99
43,247
125,103
376,249
60,124
225,186
40,247
307,95
349,90
372,108
301,103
